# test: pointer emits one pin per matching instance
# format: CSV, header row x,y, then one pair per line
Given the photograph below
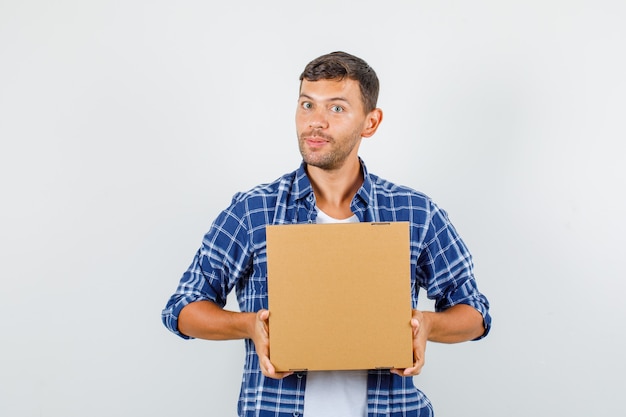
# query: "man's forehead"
x,y
345,88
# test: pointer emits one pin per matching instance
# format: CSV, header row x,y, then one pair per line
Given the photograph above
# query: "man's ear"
x,y
373,120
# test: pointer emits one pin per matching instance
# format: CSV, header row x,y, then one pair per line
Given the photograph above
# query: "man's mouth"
x,y
315,140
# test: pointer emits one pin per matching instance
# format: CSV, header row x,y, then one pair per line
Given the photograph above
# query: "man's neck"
x,y
335,189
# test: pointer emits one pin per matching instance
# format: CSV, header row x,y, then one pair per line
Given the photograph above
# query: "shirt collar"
x,y
303,188
365,192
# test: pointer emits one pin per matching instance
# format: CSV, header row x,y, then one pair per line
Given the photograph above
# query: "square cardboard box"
x,y
339,296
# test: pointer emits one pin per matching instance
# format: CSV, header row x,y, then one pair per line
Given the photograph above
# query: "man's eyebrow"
x,y
330,99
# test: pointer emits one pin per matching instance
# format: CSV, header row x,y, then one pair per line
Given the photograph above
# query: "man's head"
x,y
336,108
341,65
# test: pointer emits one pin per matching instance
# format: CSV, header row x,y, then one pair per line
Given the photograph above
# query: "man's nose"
x,y
318,119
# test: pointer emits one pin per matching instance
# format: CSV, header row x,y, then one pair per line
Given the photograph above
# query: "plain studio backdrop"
x,y
126,126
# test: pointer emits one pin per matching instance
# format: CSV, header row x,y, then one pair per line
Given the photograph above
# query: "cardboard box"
x,y
339,296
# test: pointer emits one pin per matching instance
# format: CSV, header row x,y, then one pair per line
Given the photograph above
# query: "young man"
x,y
336,109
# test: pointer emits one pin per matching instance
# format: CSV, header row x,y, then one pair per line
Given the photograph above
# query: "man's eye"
x,y
336,109
306,105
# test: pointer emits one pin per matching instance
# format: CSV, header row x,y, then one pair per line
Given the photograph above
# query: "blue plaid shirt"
x,y
233,256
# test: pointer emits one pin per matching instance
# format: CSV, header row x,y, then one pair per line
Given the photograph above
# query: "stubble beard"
x,y
327,159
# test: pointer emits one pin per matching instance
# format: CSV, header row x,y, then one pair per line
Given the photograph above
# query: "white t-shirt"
x,y
335,393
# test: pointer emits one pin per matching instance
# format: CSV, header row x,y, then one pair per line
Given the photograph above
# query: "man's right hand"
x,y
206,320
261,338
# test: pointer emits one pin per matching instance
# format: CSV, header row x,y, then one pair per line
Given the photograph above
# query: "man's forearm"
x,y
459,323
207,320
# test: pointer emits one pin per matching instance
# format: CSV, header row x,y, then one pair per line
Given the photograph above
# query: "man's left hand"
x,y
420,326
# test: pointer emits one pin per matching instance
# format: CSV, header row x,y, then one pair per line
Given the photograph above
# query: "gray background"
x,y
126,126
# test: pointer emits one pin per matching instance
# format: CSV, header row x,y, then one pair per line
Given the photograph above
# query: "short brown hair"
x,y
339,65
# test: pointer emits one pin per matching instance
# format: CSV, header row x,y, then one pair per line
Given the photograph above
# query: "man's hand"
x,y
420,326
458,323
206,320
261,339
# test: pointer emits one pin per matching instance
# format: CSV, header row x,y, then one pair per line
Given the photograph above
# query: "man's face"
x,y
330,121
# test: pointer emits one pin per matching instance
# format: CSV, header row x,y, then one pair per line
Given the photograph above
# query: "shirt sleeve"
x,y
446,269
221,260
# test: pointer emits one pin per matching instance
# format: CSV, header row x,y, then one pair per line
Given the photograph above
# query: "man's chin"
x,y
321,163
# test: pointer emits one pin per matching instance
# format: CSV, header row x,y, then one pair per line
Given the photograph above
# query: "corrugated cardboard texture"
x,y
339,296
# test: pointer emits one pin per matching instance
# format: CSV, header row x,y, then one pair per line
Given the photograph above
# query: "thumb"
x,y
264,314
416,326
